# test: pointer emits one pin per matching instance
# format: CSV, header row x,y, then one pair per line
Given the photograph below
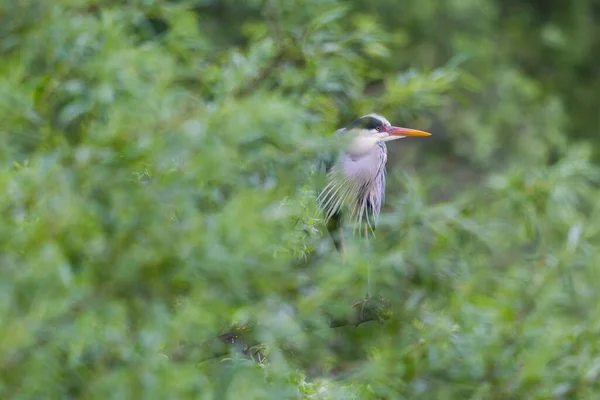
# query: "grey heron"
x,y
356,178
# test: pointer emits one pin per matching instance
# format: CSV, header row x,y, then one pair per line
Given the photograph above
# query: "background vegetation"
x,y
158,226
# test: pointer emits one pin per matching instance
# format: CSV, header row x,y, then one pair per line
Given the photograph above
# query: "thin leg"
x,y
364,302
368,265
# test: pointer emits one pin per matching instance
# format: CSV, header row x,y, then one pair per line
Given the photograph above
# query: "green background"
x,y
158,199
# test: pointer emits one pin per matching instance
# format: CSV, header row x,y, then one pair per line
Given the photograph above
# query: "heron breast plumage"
x,y
357,183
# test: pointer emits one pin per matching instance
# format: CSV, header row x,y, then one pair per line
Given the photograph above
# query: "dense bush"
x,y
160,236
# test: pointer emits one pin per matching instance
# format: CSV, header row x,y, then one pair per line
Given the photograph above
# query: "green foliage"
x,y
159,231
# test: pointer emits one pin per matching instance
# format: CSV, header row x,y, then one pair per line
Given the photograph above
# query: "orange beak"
x,y
398,131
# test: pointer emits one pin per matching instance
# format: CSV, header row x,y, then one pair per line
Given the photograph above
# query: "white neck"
x,y
363,143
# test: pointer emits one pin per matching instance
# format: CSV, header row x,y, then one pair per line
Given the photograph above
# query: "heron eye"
x,y
378,128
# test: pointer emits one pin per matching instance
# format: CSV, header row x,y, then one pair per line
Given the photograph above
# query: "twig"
x,y
240,336
366,310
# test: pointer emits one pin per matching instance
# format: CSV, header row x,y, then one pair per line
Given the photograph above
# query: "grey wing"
x,y
327,193
333,217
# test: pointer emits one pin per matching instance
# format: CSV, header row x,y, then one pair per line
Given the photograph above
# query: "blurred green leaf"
x,y
160,234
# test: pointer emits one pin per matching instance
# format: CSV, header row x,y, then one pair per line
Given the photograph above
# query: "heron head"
x,y
375,125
